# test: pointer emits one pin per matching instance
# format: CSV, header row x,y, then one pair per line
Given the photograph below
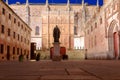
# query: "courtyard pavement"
x,y
63,70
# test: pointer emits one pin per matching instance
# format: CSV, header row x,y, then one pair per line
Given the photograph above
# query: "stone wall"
x,y
15,35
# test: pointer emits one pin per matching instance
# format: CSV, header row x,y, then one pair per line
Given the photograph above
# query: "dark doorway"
x,y
33,51
8,52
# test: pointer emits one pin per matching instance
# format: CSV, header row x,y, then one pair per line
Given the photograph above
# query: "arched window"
x,y
37,30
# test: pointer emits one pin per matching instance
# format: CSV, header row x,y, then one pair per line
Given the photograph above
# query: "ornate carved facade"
x,y
102,38
69,19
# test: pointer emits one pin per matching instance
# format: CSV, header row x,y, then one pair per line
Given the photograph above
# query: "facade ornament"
x,y
27,12
47,5
68,5
7,2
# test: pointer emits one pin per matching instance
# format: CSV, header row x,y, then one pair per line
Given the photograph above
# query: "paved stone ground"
x,y
63,70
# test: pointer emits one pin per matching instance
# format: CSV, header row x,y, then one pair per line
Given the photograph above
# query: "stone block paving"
x,y
63,70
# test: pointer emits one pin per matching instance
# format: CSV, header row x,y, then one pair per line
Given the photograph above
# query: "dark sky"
x,y
91,2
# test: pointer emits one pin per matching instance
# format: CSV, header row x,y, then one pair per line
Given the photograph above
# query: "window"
x,y
1,48
21,38
25,40
75,30
95,41
2,29
18,37
14,35
28,42
114,6
91,28
88,32
100,20
18,51
21,51
10,16
14,20
25,29
89,43
21,26
18,23
3,11
8,32
95,25
13,50
24,52
37,30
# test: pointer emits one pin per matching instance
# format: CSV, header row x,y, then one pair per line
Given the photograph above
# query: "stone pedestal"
x,y
56,54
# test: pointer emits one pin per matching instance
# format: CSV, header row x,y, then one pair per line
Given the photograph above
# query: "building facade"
x,y
15,35
102,32
42,18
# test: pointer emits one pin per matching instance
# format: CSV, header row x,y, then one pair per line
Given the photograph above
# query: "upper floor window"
x,y
100,20
25,29
21,26
25,40
14,20
95,25
21,38
14,35
91,28
18,37
10,16
37,30
18,23
87,31
2,29
8,32
28,42
95,41
3,11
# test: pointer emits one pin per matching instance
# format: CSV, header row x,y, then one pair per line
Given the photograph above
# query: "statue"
x,y
56,34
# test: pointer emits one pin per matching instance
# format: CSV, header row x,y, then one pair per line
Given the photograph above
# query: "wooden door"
x,y
116,42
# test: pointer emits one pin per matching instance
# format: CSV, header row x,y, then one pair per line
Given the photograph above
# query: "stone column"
x,y
56,53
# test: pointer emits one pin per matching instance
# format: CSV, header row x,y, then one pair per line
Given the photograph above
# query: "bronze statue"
x,y
56,34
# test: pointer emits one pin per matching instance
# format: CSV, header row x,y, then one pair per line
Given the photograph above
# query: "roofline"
x,y
72,4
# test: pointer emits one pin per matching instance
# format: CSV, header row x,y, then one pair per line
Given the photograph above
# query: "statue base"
x,y
56,54
56,58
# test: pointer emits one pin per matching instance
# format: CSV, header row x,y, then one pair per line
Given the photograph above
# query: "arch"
x,y
112,27
113,39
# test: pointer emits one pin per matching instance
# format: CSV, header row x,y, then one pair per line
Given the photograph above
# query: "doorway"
x,y
116,44
113,40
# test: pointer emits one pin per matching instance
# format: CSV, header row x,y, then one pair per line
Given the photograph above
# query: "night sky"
x,y
91,2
